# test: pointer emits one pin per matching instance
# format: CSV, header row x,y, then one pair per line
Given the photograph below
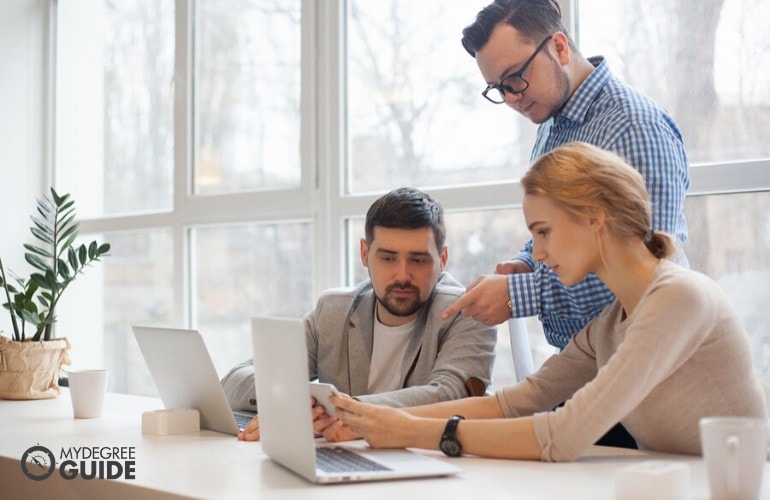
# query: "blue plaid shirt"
x,y
607,113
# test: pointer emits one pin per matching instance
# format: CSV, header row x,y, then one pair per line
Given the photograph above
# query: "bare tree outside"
x,y
413,116
138,106
708,63
248,96
415,112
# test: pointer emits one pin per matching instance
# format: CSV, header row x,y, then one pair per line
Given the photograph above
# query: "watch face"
x,y
451,447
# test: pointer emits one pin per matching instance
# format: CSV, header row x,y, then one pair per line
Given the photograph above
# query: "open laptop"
x,y
285,419
186,377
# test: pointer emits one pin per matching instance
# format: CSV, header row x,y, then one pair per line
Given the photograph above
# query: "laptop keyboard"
x,y
242,419
339,459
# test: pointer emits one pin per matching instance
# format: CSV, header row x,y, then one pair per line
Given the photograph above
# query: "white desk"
x,y
213,465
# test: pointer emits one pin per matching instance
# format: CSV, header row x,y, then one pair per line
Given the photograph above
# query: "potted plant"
x,y
31,358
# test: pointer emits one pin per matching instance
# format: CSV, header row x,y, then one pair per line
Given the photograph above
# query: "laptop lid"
x,y
285,417
185,376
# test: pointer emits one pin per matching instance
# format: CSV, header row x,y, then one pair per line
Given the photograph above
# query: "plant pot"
x,y
30,370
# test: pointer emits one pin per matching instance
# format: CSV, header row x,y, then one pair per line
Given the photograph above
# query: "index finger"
x,y
346,403
457,306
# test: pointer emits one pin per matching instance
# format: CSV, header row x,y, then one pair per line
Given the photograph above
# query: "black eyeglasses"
x,y
513,83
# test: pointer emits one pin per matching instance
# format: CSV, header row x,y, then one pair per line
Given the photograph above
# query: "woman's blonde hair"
x,y
582,179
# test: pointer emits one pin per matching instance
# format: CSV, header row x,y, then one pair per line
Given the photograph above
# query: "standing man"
x,y
530,64
385,341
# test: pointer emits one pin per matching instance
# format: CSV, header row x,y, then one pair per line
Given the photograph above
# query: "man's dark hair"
x,y
535,20
406,208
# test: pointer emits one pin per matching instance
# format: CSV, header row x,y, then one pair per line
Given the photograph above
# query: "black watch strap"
x,y
449,443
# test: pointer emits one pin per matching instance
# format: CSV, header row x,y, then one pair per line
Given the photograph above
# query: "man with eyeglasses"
x,y
530,64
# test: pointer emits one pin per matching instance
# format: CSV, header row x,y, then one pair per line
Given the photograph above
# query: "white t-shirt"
x,y
389,347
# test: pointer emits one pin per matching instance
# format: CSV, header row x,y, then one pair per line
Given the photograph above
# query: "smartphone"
x,y
321,393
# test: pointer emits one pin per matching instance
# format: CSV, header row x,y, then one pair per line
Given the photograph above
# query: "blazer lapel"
x,y
360,342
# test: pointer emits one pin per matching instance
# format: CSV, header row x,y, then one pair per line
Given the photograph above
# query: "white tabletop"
x,y
213,465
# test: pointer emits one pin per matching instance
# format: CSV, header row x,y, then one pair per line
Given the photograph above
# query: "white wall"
x,y
23,60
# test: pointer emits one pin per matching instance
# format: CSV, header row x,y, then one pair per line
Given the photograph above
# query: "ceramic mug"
x,y
734,451
87,391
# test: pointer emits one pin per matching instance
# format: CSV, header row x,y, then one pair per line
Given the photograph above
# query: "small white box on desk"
x,y
660,480
171,421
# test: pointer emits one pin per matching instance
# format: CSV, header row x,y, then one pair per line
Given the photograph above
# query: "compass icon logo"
x,y
37,463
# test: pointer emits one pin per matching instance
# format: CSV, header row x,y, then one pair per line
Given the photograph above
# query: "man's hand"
x,y
331,428
251,431
512,267
322,424
485,300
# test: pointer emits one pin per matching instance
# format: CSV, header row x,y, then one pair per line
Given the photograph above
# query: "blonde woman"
x,y
668,351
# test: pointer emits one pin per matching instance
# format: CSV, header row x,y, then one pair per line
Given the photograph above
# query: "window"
x,y
704,61
414,115
115,105
189,166
247,98
229,154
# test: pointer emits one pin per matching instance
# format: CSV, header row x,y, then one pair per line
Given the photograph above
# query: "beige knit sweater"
x,y
683,354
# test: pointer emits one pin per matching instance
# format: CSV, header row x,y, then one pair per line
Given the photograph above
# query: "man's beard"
x,y
401,307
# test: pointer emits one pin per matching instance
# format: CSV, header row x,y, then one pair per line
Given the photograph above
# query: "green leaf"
x,y
50,280
82,254
56,198
30,291
72,257
44,210
65,206
39,251
31,318
25,305
67,244
42,225
92,250
39,280
63,269
41,235
67,223
37,262
103,249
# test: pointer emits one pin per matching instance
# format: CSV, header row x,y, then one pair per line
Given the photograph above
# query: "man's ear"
x,y
364,253
444,256
562,48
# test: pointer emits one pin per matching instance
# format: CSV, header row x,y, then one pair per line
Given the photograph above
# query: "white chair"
x,y
520,348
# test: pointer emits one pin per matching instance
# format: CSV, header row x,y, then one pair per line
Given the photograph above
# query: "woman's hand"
x,y
331,428
380,426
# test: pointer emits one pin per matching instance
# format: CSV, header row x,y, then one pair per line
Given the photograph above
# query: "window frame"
x,y
321,196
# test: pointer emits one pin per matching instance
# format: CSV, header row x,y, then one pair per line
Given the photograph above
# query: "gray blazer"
x,y
441,356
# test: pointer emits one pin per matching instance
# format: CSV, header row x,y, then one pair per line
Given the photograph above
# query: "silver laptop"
x,y
285,420
186,377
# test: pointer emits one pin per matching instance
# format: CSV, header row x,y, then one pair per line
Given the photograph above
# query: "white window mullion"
x,y
720,178
183,156
324,63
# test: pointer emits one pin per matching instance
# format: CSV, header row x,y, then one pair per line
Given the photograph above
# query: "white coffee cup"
x,y
734,451
87,391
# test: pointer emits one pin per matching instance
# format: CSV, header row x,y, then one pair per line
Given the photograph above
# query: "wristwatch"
x,y
449,443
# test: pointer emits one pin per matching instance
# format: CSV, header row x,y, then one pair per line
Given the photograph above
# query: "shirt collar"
x,y
578,105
